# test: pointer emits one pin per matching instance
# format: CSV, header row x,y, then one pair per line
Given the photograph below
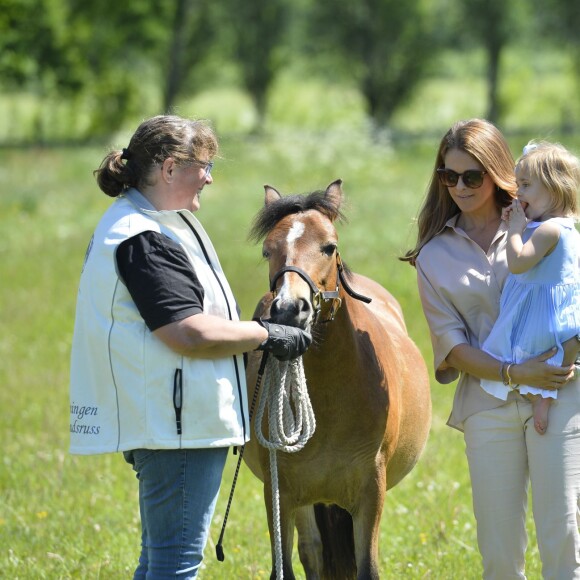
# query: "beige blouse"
x,y
460,287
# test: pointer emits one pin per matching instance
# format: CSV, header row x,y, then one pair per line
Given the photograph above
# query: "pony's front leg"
x,y
309,542
286,531
366,523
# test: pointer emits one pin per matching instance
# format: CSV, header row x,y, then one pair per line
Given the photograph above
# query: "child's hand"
x,y
516,217
505,213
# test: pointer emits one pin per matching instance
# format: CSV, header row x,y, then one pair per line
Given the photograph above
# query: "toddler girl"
x,y
540,302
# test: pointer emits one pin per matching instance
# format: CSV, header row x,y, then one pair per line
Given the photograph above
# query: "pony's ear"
x,y
334,194
271,194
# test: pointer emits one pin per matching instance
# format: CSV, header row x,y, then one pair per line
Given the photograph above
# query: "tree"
x,y
559,20
110,54
258,29
34,46
191,38
120,44
386,43
36,57
492,24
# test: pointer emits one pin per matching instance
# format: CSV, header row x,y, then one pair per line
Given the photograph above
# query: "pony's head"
x,y
300,244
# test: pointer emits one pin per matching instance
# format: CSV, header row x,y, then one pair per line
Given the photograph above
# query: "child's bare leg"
x,y
541,407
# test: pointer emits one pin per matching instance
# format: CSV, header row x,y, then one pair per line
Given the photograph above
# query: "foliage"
x,y
71,47
257,32
110,62
387,43
557,18
560,21
34,47
106,51
121,44
493,24
193,30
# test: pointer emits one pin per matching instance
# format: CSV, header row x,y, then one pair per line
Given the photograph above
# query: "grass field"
x,y
77,517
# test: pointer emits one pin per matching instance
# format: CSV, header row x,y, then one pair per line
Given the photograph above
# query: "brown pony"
x,y
367,383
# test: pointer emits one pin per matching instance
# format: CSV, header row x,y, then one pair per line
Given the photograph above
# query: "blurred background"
x,y
78,70
300,92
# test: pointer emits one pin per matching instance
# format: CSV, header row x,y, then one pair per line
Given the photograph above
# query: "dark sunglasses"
x,y
472,178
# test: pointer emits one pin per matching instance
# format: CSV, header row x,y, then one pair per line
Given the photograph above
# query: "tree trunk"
x,y
175,72
493,106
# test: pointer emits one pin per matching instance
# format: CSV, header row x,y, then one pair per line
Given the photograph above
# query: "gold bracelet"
x,y
508,382
512,386
501,373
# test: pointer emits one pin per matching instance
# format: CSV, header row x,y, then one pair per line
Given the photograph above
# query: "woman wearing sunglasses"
x,y
460,257
157,370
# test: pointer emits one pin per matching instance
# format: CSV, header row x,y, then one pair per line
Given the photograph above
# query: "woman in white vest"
x,y
157,369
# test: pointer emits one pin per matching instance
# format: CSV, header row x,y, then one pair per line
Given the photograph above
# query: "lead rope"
x,y
284,393
291,423
219,550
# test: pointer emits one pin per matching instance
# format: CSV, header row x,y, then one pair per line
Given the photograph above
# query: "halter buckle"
x,y
316,305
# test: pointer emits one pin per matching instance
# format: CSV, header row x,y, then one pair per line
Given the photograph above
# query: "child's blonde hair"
x,y
558,171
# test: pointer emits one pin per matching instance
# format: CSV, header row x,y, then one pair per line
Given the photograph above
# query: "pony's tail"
x,y
336,533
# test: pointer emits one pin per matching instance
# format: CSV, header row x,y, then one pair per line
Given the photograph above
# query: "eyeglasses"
x,y
472,178
208,166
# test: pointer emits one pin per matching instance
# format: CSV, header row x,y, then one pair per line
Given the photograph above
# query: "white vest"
x,y
125,382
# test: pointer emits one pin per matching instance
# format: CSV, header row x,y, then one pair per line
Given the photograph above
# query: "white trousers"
x,y
504,453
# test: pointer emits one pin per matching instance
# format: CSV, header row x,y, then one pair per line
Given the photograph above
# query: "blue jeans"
x,y
178,489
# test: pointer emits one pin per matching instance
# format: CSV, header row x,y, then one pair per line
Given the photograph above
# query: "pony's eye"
x,y
266,254
329,249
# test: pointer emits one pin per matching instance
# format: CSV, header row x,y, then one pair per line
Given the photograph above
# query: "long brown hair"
x,y
155,140
484,142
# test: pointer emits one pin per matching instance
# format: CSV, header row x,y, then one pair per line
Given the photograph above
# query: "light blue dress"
x,y
539,308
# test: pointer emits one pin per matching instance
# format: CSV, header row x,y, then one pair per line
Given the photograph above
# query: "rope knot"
x,y
284,400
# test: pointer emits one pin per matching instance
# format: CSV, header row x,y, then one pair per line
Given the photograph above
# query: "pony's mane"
x,y
272,213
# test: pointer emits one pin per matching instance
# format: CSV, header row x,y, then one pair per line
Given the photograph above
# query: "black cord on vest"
x,y
178,398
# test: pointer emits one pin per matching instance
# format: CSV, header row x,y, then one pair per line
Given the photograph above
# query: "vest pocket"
x,y
178,397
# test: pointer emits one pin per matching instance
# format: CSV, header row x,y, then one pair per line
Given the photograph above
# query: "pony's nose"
x,y
291,312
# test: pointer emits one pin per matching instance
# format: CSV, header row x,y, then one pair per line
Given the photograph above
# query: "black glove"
x,y
284,342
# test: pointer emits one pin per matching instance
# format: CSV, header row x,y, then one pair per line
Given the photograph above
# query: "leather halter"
x,y
322,296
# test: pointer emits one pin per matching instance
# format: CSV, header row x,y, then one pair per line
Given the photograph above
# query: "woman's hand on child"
x,y
536,372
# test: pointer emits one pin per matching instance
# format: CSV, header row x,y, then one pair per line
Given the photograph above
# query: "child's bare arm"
x,y
522,257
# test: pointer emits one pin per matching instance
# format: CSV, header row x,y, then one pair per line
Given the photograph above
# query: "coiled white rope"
x,y
291,423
